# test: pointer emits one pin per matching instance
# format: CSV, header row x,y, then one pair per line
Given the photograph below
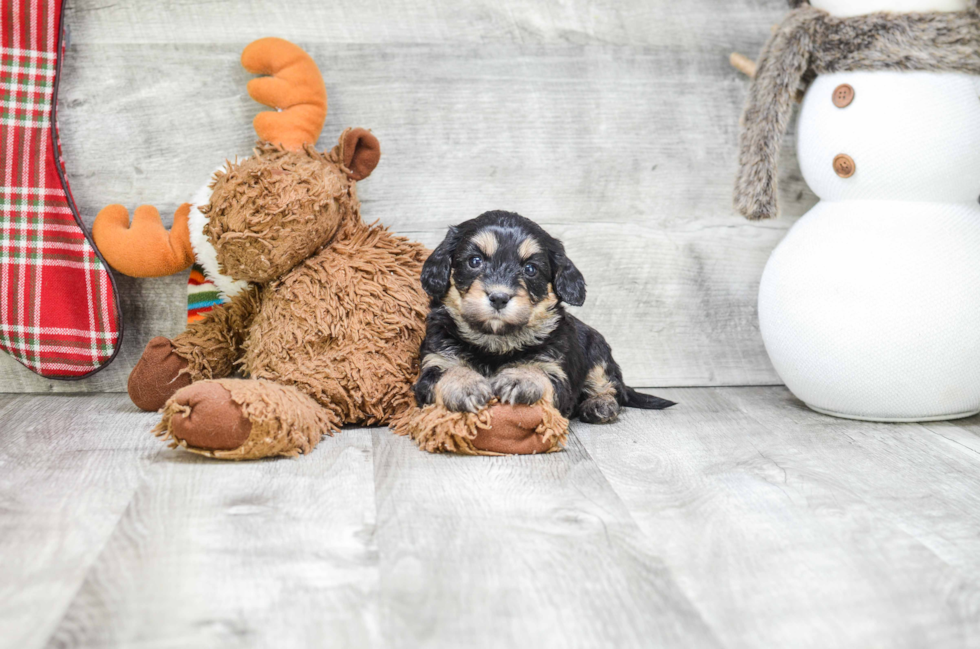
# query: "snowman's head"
x,y
858,7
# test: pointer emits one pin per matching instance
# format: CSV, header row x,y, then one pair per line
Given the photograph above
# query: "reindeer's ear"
x,y
360,152
438,267
566,278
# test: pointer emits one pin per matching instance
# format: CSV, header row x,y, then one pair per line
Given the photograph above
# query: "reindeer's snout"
x,y
271,211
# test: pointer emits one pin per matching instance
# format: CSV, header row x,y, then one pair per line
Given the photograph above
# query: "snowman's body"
x,y
870,307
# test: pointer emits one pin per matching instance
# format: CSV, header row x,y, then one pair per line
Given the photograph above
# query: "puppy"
x,y
497,327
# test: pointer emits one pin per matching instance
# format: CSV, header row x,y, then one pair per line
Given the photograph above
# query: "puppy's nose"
x,y
499,300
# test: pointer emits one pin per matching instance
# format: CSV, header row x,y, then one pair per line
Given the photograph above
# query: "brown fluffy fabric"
x,y
811,42
212,345
285,421
345,326
275,208
438,430
343,322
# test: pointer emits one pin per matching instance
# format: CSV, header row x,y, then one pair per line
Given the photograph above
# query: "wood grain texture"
x,y
223,554
736,519
660,23
533,551
614,124
68,469
789,528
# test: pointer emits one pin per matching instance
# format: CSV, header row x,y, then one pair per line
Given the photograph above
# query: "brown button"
x,y
844,166
843,95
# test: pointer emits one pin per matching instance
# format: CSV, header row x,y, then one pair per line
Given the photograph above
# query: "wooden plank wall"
x,y
611,122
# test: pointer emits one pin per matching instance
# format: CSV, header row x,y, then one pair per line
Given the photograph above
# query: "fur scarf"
x,y
811,42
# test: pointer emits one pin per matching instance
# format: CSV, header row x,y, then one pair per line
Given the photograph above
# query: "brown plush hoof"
x,y
157,376
208,418
513,431
496,430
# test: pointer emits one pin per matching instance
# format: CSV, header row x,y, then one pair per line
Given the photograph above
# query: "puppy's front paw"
x,y
514,386
464,391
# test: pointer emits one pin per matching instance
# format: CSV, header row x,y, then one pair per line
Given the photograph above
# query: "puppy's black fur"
x,y
497,326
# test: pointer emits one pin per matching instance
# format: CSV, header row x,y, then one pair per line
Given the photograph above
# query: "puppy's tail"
x,y
636,399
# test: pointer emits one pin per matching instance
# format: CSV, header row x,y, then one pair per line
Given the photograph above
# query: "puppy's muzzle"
x,y
499,300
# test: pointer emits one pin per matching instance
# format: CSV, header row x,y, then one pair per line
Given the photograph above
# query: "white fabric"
x,y
871,309
913,136
204,252
858,7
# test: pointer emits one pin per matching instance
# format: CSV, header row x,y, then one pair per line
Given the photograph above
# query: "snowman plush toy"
x,y
870,306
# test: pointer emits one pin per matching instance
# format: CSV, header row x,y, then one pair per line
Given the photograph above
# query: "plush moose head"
x,y
265,213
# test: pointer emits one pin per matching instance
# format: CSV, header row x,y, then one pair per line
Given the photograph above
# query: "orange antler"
x,y
145,248
295,89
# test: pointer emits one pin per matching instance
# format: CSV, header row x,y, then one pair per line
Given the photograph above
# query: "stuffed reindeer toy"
x,y
324,314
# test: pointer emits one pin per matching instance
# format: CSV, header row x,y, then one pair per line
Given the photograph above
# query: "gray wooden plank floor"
x,y
737,519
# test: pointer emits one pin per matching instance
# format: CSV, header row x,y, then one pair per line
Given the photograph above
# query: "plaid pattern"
x,y
58,309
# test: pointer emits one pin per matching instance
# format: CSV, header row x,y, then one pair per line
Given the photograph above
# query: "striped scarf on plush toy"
x,y
811,42
202,294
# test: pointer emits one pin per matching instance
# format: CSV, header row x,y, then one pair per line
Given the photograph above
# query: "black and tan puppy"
x,y
497,327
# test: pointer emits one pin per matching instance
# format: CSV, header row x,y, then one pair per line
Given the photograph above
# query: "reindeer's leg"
x,y
514,430
207,349
245,419
158,374
499,429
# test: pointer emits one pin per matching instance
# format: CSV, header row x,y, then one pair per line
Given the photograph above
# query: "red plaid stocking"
x,y
58,310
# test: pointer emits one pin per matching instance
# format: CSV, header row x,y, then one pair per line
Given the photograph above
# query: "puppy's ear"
x,y
566,278
436,269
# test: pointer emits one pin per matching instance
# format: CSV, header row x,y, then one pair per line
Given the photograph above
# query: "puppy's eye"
x,y
530,270
476,261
